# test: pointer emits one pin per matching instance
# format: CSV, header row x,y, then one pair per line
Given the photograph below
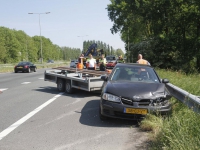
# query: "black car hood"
x,y
127,89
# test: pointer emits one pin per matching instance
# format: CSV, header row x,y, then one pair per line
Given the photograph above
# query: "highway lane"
x,y
68,122
25,92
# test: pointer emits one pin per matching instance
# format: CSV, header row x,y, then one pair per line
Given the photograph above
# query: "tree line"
x,y
107,49
17,46
166,32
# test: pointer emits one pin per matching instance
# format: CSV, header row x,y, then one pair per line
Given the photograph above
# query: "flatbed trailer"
x,y
68,79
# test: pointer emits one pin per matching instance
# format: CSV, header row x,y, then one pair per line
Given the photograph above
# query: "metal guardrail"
x,y
192,101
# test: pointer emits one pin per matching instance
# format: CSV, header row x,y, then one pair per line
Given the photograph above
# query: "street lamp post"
x,y
40,34
82,39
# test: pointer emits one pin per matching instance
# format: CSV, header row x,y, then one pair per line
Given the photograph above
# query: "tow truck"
x,y
68,79
96,53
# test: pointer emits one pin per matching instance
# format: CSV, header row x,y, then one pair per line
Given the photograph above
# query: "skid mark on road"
x,y
76,101
60,117
22,120
67,114
69,146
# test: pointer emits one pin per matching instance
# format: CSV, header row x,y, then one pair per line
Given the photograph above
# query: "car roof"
x,y
133,64
24,62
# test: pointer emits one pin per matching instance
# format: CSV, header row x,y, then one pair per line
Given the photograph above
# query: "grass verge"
x,y
10,67
180,130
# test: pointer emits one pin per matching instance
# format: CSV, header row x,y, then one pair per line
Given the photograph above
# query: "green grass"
x,y
10,67
180,130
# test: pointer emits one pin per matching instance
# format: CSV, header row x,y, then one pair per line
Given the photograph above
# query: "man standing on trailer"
x,y
102,63
91,63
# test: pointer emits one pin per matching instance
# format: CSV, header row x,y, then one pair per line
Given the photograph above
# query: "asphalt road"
x,y
35,116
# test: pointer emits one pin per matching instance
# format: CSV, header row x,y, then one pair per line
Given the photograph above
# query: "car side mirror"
x,y
165,81
104,77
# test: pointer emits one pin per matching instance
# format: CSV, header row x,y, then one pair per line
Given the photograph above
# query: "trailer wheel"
x,y
68,87
61,85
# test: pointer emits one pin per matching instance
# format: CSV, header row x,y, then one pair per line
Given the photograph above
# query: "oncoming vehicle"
x,y
111,62
25,66
133,90
73,63
50,61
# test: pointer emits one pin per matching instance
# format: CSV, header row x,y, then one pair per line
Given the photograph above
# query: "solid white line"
x,y
22,120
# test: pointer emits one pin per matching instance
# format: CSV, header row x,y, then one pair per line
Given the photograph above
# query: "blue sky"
x,y
67,20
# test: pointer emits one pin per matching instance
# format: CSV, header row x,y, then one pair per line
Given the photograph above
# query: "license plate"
x,y
135,111
19,67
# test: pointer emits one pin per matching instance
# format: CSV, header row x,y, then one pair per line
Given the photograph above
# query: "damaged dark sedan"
x,y
133,90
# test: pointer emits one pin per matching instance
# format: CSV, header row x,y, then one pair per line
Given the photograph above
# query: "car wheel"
x,y
101,116
16,71
61,85
29,70
68,87
35,69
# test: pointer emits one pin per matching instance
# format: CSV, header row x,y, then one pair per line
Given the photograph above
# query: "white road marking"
x,y
22,120
3,89
41,78
25,82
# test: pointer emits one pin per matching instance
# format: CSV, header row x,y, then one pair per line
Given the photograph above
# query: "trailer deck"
x,y
68,79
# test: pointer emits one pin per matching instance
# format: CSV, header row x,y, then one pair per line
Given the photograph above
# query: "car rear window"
x,y
23,63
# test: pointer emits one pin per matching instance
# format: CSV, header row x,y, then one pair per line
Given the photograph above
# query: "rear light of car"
x,y
25,66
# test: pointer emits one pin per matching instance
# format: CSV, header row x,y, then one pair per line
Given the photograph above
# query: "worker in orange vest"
x,y
142,61
80,62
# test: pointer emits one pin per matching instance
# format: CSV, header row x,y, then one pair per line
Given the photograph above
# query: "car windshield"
x,y
110,58
134,74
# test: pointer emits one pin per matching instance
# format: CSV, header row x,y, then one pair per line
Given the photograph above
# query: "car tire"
x,y
68,88
29,70
16,71
101,116
35,69
61,85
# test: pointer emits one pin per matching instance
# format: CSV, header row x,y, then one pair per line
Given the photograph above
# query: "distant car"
x,y
73,63
133,90
25,66
111,62
50,61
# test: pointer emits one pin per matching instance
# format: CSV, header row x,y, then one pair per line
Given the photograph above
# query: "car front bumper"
x,y
116,110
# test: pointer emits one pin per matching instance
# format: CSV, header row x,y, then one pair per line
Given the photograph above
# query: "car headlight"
x,y
110,97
